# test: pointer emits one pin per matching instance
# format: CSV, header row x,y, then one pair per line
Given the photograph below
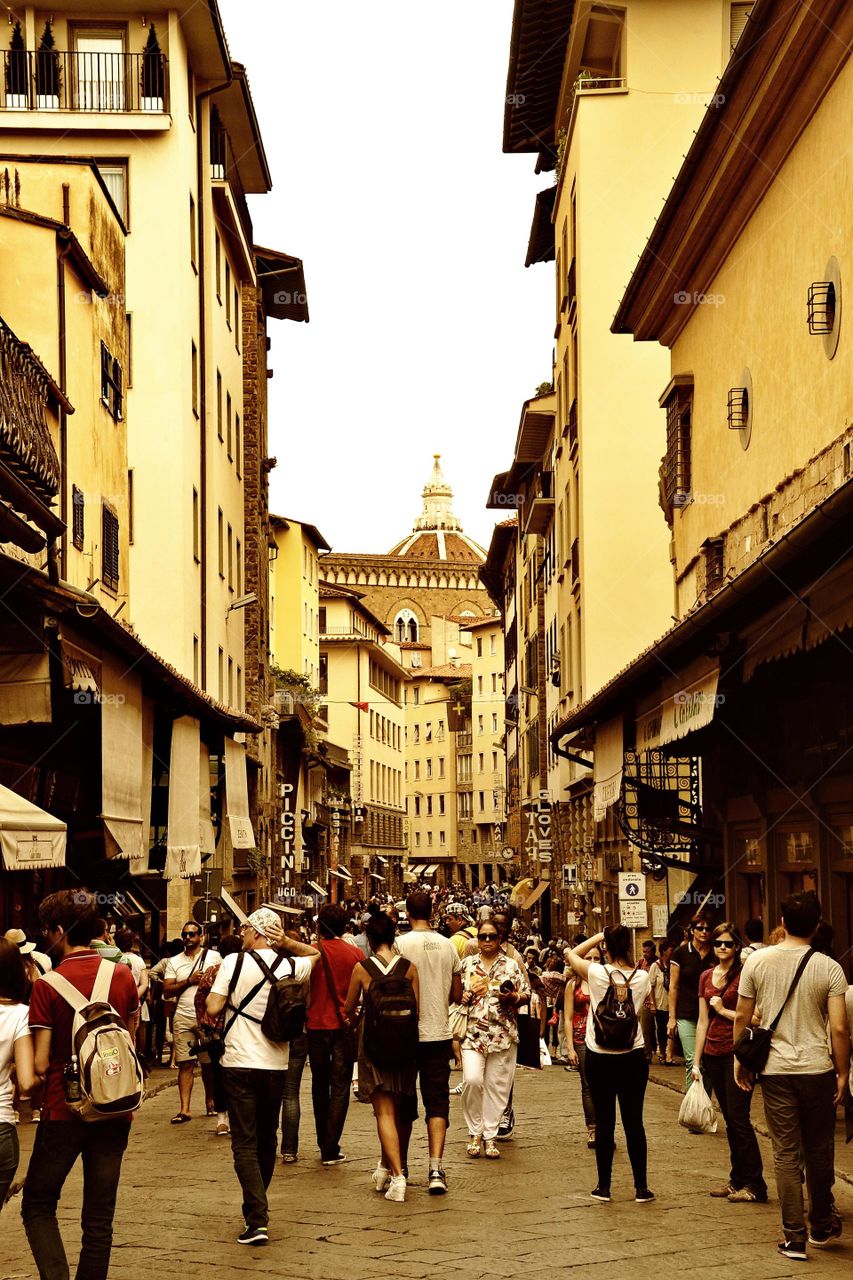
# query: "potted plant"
x,y
48,72
17,87
153,73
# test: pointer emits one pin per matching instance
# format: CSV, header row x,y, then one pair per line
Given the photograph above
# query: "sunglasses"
x,y
701,928
487,937
194,934
725,942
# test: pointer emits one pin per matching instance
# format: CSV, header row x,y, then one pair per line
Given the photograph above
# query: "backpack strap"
x,y
247,1000
103,978
374,969
66,990
269,973
806,958
400,970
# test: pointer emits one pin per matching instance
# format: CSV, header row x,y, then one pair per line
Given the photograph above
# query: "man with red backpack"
x,y
69,919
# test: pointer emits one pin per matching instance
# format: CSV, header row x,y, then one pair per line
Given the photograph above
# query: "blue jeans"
x,y
254,1104
331,1076
58,1145
9,1155
291,1112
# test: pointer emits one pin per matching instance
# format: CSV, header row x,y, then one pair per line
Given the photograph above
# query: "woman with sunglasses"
x,y
714,1060
575,1014
494,985
686,967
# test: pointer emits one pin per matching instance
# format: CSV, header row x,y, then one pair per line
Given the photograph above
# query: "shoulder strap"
x,y
333,995
64,988
373,969
103,978
400,969
800,967
269,973
247,1000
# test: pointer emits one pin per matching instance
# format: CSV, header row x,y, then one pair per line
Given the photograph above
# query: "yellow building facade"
x,y
295,597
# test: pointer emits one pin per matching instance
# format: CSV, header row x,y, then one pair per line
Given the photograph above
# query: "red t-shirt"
x,y
720,1038
49,1009
342,960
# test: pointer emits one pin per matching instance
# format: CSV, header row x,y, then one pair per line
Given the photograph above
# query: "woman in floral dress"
x,y
494,985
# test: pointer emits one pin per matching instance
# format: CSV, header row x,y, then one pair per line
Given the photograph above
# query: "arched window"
x,y
406,627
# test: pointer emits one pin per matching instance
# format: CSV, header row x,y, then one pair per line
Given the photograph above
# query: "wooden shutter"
x,y
109,549
739,16
78,521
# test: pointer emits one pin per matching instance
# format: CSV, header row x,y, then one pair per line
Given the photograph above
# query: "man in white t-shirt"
x,y
183,974
253,1067
437,962
805,1078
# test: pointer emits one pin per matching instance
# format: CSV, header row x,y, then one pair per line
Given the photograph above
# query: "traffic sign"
x,y
632,886
634,913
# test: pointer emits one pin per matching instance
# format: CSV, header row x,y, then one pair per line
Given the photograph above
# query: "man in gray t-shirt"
x,y
806,1073
438,964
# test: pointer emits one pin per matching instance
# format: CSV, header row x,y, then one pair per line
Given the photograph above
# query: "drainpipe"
x,y
202,169
54,571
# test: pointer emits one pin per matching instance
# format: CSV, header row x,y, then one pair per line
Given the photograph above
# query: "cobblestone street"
x,y
527,1215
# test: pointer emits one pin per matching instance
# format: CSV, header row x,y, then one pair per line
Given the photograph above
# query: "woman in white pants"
x,y
494,986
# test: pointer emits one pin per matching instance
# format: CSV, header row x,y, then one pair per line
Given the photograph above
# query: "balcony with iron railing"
x,y
96,83
224,170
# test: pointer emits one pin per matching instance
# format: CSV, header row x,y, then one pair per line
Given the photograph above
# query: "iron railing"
x,y
73,81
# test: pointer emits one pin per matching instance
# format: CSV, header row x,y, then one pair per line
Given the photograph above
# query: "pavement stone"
x,y
528,1214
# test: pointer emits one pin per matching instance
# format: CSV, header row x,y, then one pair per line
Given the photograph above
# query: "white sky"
x,y
382,122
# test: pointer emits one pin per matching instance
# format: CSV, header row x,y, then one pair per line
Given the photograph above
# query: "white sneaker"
x,y
381,1177
397,1189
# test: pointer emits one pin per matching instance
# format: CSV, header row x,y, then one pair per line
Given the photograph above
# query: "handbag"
x,y
458,1014
349,1033
752,1048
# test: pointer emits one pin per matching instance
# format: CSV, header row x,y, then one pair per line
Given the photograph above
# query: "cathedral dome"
x,y
437,533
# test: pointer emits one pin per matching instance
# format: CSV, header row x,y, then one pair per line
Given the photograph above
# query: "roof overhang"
x,y
492,572
237,113
540,33
785,63
281,279
540,246
778,574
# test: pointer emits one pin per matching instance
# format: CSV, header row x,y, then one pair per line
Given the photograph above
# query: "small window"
x,y
130,507
218,255
193,236
219,405
195,660
129,327
238,565
228,424
194,375
676,468
738,18
78,523
238,446
196,551
112,394
221,673
236,317
109,549
713,552
220,539
228,293
115,181
479,646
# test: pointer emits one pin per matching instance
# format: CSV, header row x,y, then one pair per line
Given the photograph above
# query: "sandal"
x,y
493,1151
474,1147
180,1118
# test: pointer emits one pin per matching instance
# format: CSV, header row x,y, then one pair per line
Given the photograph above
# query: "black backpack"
x,y
615,1022
390,1015
287,1004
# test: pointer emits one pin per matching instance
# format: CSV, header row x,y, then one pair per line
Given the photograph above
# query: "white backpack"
x,y
111,1081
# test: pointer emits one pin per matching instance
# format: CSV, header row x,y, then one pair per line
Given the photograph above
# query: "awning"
x,y
417,869
29,837
340,872
183,852
609,745
24,681
431,869
139,866
317,889
207,839
519,891
81,670
234,907
374,875
536,894
685,703
379,858
123,797
237,796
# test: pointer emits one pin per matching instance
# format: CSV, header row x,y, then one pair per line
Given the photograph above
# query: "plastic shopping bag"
x,y
697,1110
544,1055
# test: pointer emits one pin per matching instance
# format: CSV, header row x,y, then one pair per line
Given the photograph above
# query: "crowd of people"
x,y
385,1001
